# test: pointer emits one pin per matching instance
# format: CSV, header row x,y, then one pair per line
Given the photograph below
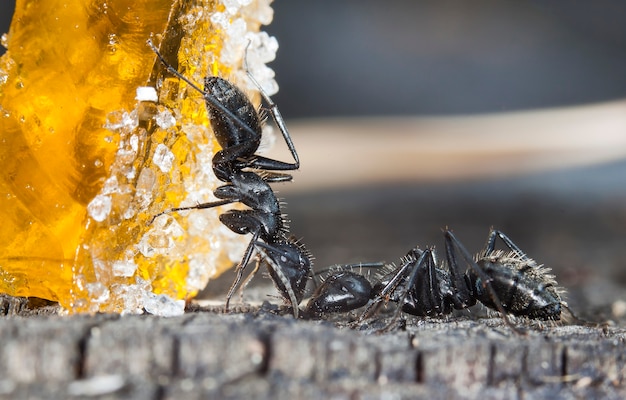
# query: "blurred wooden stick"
x,y
359,151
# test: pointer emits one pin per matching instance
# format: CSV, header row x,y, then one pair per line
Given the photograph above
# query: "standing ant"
x,y
237,127
507,281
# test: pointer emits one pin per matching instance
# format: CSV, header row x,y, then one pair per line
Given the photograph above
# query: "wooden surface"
x,y
264,355
572,220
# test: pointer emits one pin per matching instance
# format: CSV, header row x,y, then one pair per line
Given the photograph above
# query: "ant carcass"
x,y
507,281
237,126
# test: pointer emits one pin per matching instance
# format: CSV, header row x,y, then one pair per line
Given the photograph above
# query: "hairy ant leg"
x,y
490,244
262,162
289,265
420,288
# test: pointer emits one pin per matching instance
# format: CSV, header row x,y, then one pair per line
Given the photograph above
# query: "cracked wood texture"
x,y
211,355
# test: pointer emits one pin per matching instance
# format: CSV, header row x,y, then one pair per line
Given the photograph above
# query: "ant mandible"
x,y
507,281
237,127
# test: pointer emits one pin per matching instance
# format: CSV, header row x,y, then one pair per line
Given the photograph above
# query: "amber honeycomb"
x,y
85,164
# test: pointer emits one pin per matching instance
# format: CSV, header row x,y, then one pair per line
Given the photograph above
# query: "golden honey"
x,y
86,161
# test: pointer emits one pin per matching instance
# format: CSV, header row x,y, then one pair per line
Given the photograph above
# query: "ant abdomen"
x,y
238,132
523,287
511,283
228,132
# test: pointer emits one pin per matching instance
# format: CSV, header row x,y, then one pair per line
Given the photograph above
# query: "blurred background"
x,y
410,116
367,57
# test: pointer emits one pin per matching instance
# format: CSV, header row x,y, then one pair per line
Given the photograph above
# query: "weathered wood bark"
x,y
260,354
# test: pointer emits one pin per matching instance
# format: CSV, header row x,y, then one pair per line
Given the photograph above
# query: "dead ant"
x,y
507,281
237,126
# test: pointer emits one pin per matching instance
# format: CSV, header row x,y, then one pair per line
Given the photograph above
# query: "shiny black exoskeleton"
x,y
507,281
239,142
237,126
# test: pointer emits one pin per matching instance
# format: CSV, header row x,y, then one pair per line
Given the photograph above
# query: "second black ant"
x,y
237,127
507,281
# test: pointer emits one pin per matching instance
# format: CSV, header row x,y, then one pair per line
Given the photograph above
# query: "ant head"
x,y
289,266
341,292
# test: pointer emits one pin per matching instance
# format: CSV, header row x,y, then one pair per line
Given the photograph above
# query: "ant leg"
x,y
206,96
451,243
240,268
415,257
278,271
462,296
423,270
196,207
275,178
490,245
580,320
249,277
278,120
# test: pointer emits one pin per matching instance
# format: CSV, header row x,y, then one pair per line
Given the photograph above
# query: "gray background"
x,y
366,57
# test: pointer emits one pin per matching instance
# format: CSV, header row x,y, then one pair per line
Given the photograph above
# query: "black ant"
x,y
507,281
237,126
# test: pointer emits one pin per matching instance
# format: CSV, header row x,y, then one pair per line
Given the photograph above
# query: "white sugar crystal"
x,y
125,268
163,158
111,185
265,12
165,119
145,186
4,41
162,238
220,19
162,305
122,120
131,297
233,6
134,143
201,268
98,292
146,93
264,45
99,208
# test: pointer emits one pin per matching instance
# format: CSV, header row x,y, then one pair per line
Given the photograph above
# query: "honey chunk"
x,y
87,156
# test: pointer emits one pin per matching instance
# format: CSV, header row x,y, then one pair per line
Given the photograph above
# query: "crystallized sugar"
x,y
146,93
162,305
201,241
163,158
165,119
99,208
